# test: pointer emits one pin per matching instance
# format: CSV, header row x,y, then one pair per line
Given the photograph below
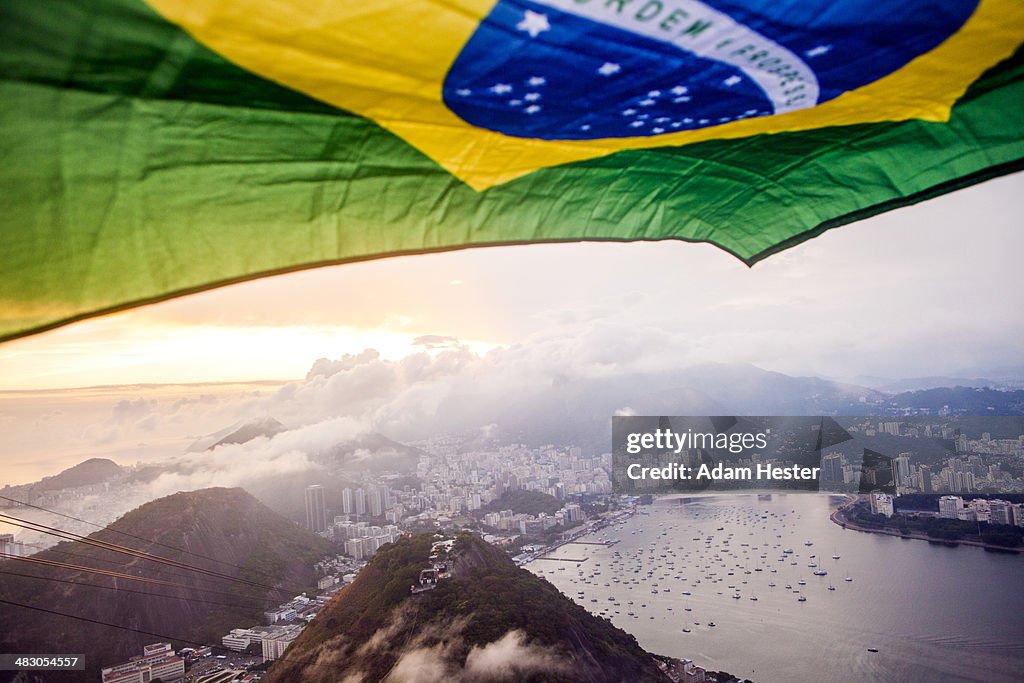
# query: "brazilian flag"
x,y
152,148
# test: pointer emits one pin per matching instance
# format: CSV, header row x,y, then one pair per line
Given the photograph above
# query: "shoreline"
x,y
838,516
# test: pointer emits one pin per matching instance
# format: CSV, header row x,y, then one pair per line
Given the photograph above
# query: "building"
x,y
691,673
1000,511
157,661
316,509
346,501
1018,514
237,640
881,504
356,548
375,502
282,613
950,506
961,482
832,468
924,479
901,470
275,644
981,508
11,548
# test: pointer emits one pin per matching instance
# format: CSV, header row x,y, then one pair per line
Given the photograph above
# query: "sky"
x,y
412,345
931,289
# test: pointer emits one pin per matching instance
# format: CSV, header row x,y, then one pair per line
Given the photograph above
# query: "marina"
x,y
702,577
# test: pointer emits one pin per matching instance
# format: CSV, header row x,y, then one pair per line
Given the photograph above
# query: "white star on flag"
x,y
732,80
609,68
536,80
820,50
679,90
501,88
532,96
532,109
534,23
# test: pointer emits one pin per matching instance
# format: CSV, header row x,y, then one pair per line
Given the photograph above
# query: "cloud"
x,y
436,341
422,665
511,658
432,657
260,459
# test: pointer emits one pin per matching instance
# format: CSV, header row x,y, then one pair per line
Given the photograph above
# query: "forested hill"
x,y
490,621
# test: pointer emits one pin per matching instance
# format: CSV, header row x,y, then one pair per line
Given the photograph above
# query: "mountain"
x,y
371,451
960,401
491,621
749,390
224,530
85,473
238,433
261,426
579,411
522,501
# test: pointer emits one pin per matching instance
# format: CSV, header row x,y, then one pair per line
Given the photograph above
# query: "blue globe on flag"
x,y
590,69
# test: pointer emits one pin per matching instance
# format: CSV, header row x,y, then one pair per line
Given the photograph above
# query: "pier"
x,y
563,559
606,544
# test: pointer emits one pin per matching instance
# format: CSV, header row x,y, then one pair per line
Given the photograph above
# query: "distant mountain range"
x,y
220,530
1003,378
491,621
579,411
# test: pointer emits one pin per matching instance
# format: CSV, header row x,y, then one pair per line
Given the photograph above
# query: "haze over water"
x,y
933,612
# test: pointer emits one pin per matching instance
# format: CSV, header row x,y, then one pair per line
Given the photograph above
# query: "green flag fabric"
x,y
153,150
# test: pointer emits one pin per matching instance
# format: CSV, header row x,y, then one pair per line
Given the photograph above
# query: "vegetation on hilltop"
x,y
375,629
223,530
525,502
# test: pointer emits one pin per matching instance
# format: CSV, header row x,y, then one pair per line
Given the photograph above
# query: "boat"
x,y
848,579
801,599
711,624
820,572
686,630
872,649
